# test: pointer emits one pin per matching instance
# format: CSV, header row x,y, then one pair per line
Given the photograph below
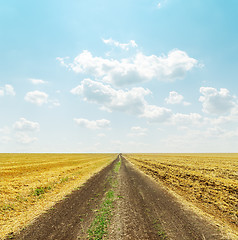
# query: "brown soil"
x,y
142,210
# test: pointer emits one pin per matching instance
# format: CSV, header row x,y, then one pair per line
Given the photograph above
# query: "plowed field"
x,y
208,180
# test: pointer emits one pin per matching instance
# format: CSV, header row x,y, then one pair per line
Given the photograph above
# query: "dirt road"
x,y
120,202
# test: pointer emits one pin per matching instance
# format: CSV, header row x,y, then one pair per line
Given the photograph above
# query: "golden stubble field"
x,y
210,181
32,183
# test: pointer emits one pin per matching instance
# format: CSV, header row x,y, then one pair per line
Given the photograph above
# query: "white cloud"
x,y
219,132
186,103
138,131
24,138
54,103
62,61
156,114
124,46
37,97
131,101
37,81
101,135
21,131
5,139
26,125
217,102
174,98
187,119
7,90
5,130
94,124
222,120
137,69
231,134
214,132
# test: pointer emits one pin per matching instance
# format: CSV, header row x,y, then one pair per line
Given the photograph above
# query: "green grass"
x,y
160,232
117,167
98,228
65,179
119,196
41,190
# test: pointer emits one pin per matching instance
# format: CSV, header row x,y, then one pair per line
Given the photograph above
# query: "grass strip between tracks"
x,y
99,226
117,167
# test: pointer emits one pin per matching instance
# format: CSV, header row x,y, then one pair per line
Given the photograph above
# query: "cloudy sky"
x,y
119,76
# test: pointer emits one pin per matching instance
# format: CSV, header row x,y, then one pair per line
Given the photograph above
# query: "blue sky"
x,y
127,76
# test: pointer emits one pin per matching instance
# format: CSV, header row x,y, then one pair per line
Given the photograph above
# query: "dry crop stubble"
x,y
210,181
32,183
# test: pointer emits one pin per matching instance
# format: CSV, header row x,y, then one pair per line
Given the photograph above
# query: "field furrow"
x,y
208,180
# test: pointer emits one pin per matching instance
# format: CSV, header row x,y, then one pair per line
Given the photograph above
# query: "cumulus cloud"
x,y
221,120
37,97
26,125
186,119
174,98
217,102
24,138
131,101
137,69
138,131
93,124
124,46
37,81
156,114
215,132
22,131
7,90
62,61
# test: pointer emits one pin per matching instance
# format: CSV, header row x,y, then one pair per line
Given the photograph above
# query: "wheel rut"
x,y
148,211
